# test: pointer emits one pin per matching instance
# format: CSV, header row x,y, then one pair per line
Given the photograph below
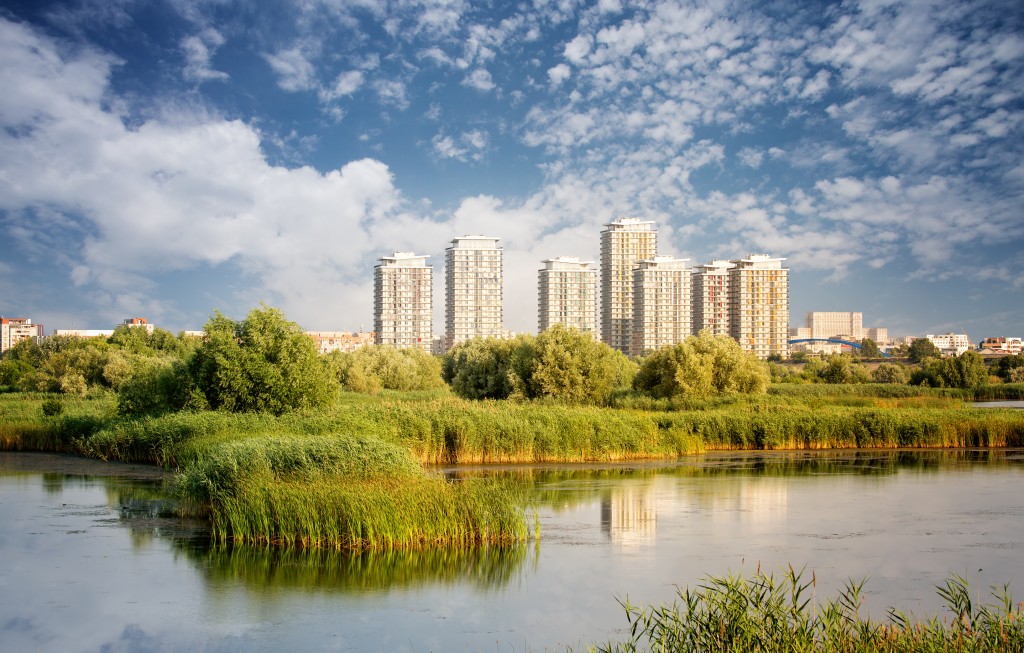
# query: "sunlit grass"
x,y
781,614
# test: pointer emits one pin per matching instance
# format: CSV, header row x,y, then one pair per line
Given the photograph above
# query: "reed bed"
x,y
378,514
771,614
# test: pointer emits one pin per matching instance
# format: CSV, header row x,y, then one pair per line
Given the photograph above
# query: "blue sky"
x,y
168,158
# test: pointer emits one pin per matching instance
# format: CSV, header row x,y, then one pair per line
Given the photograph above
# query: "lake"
x,y
95,560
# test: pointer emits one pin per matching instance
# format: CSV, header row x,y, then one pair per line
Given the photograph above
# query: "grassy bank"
x,y
351,476
770,614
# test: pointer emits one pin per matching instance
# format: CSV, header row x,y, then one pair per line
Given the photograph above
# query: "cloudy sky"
x,y
165,158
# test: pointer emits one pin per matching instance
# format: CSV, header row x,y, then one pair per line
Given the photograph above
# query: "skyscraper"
x,y
403,301
759,315
662,298
711,297
623,242
473,289
567,294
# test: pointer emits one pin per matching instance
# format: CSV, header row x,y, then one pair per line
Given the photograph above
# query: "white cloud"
x,y
558,74
198,50
345,84
480,79
294,70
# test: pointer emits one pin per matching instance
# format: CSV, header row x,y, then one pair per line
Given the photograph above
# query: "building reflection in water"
x,y
629,512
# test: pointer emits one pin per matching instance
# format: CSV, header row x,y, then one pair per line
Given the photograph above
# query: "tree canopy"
x,y
922,349
701,366
263,363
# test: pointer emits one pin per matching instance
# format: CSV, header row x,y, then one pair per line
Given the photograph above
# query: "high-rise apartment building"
x,y
623,242
403,301
662,296
567,294
759,305
15,329
473,289
711,297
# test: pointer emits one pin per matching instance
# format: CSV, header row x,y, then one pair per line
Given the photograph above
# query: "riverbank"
x,y
332,477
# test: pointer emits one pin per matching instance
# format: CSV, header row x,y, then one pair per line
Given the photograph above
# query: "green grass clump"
x,y
768,614
377,514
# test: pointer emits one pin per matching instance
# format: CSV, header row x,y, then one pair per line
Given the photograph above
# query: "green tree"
x,y
481,368
374,367
967,370
869,349
566,364
1004,368
701,366
921,350
890,373
262,364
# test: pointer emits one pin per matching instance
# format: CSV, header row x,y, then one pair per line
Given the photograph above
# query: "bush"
x,y
52,407
701,366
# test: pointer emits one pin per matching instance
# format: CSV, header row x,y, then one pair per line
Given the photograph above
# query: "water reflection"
x,y
95,559
485,568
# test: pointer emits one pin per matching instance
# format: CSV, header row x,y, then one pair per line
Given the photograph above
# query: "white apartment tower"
x,y
403,301
759,307
711,297
662,312
473,289
623,242
567,294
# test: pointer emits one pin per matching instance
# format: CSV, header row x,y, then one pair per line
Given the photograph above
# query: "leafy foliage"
x,y
562,363
377,367
701,366
262,364
890,373
921,350
967,370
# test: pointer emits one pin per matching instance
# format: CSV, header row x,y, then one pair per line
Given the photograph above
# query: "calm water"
x,y
90,559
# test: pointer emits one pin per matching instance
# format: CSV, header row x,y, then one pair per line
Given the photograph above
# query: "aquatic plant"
x,y
776,614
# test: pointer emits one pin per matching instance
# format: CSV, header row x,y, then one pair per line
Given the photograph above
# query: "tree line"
x,y
266,363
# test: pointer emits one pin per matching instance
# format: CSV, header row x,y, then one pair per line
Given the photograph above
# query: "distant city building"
x,y
877,334
473,289
403,310
759,306
623,242
662,300
1002,345
346,341
951,344
15,329
84,333
567,294
829,324
140,322
711,297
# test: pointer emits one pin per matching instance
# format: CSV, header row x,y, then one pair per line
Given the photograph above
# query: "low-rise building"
x,y
15,329
328,341
1002,345
951,344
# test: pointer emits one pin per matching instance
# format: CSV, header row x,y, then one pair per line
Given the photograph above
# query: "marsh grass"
x,y
766,613
378,514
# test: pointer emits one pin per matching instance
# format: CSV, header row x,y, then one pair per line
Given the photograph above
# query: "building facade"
x,y
473,289
15,329
951,344
403,308
623,242
711,297
759,305
829,324
328,341
567,294
662,300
